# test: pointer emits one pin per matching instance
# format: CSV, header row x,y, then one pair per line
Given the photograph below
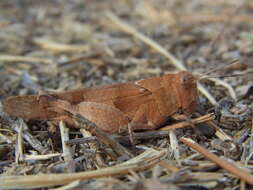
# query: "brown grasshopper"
x,y
145,104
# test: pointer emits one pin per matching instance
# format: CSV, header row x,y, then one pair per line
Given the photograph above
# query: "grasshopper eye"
x,y
187,80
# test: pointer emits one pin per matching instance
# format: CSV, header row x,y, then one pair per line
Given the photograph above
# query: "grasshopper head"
x,y
185,85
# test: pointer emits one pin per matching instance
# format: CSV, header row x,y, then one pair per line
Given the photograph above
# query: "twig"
x,y
65,137
60,47
142,162
23,59
174,61
239,172
202,119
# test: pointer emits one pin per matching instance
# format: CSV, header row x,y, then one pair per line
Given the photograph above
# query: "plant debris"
x,y
56,46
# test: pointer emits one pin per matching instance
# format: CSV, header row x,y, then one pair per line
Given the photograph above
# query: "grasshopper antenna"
x,y
222,67
234,62
224,76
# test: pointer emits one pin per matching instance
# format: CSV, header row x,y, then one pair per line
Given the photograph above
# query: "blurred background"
x,y
59,45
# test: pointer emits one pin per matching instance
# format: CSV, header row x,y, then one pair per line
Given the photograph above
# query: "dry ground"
x,y
61,45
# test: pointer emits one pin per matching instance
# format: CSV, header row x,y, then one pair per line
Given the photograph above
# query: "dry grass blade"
x,y
174,146
60,47
19,146
239,172
41,157
142,162
23,59
65,137
168,166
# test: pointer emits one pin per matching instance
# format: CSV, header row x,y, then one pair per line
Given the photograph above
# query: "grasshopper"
x,y
144,104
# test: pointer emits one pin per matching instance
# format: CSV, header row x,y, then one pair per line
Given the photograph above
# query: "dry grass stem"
x,y
57,47
19,146
168,166
201,119
142,162
206,176
230,167
23,59
41,157
65,137
60,47
174,146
